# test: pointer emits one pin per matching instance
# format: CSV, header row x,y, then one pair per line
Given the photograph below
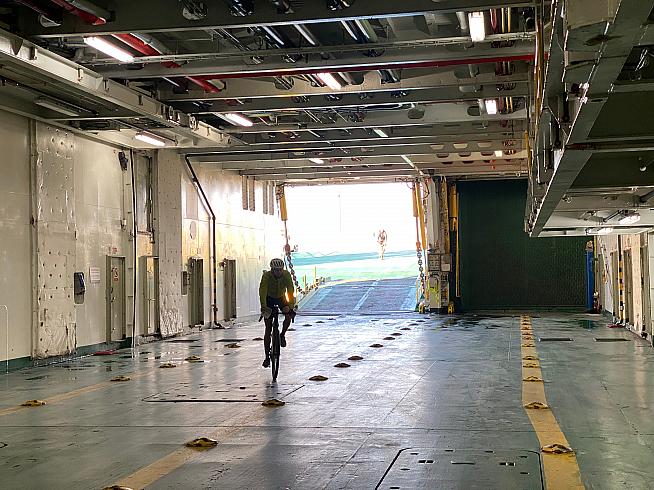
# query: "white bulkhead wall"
x,y
249,237
15,248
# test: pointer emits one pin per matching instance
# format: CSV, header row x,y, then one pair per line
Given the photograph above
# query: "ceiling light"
x,y
306,34
350,30
380,132
150,138
238,119
477,25
407,159
499,153
629,218
57,106
109,49
317,160
605,230
273,34
329,80
491,106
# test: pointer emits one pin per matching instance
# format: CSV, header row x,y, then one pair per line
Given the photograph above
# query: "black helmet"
x,y
276,264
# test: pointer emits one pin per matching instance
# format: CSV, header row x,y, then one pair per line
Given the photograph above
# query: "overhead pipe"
x,y
47,13
148,49
87,17
212,215
91,8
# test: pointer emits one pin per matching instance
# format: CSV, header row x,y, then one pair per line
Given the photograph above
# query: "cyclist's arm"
x,y
263,290
290,289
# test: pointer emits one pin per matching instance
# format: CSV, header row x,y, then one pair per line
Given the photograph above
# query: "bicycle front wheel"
x,y
274,351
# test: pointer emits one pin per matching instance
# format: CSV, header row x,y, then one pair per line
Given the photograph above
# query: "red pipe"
x,y
143,48
407,65
82,14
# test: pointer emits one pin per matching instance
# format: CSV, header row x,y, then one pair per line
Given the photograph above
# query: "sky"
x,y
345,218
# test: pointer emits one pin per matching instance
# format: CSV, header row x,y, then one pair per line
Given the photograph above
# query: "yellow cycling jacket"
x,y
276,288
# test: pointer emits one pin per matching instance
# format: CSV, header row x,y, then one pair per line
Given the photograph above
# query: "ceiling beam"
x,y
436,114
20,56
431,57
458,145
166,15
351,101
628,27
253,89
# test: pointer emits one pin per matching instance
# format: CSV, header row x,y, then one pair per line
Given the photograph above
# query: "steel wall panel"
x,y
501,267
56,233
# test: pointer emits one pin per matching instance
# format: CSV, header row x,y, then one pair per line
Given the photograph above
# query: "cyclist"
x,y
276,286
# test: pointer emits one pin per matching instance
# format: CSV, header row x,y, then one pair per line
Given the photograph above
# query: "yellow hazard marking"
x,y
342,365
202,443
273,402
318,377
33,403
121,378
561,469
529,358
528,344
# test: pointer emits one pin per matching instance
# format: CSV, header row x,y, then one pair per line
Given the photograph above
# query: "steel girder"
x,y
255,89
166,15
22,56
354,101
626,31
392,59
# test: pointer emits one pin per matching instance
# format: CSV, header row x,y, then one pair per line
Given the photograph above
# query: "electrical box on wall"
x,y
79,287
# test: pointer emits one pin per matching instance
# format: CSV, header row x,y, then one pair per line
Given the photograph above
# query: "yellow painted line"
x,y
561,470
70,394
169,463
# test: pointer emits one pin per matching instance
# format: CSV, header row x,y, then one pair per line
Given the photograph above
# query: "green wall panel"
x,y
501,266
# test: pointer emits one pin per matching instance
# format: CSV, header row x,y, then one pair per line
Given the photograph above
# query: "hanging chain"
x,y
420,268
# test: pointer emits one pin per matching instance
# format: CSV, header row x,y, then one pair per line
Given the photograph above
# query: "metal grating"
x,y
522,272
463,469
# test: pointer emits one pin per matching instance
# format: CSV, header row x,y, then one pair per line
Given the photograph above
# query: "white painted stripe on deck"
x,y
365,296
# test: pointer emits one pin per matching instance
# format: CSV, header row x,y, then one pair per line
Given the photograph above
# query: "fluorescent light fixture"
x,y
57,106
329,80
629,219
605,230
317,160
150,138
491,106
348,27
306,34
272,33
499,153
238,119
109,49
380,132
407,159
477,25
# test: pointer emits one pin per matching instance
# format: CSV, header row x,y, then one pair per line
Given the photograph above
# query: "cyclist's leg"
x,y
266,336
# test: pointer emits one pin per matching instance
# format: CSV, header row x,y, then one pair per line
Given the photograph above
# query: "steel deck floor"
x,y
445,384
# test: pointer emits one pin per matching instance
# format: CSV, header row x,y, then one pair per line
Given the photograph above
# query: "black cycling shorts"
x,y
278,302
